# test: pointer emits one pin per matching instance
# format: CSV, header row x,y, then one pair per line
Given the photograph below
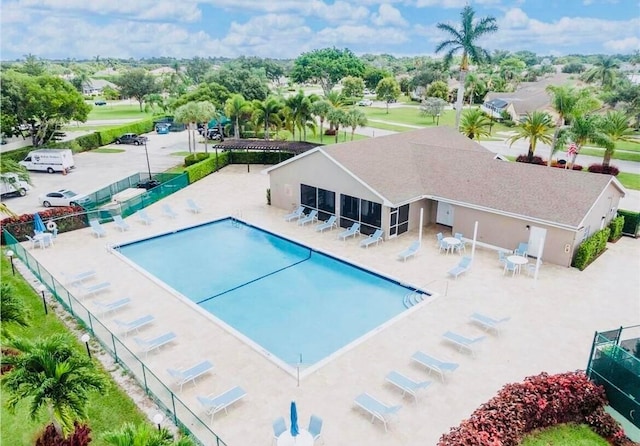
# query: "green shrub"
x,y
616,226
200,170
195,158
257,157
109,135
17,155
631,222
89,142
591,248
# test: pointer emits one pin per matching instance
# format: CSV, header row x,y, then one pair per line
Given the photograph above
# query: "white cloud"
x,y
360,34
388,15
625,45
454,3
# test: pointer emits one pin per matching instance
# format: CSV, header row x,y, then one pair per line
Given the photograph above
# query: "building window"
x,y
324,201
355,210
308,196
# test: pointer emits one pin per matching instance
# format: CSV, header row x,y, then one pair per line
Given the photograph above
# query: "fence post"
x,y
173,403
115,352
144,377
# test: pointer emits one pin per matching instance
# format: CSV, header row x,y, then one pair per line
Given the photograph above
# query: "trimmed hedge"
x,y
538,402
66,218
200,170
108,136
616,228
195,158
631,222
591,248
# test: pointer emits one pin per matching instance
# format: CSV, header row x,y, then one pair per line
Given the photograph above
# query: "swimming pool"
x,y
298,304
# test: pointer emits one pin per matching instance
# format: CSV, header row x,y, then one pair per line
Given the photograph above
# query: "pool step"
x,y
412,299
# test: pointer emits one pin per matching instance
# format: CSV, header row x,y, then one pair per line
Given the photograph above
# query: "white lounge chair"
x,y
350,232
108,307
407,385
76,279
134,324
463,342
215,404
376,238
462,267
120,223
410,251
295,215
150,344
310,218
94,289
193,207
434,364
96,228
168,212
487,322
144,217
183,376
376,408
315,427
329,224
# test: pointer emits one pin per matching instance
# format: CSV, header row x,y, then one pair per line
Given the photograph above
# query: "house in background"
x,y
384,182
95,86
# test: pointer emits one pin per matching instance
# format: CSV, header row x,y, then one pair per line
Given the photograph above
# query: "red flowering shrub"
x,y
79,437
599,168
66,218
538,402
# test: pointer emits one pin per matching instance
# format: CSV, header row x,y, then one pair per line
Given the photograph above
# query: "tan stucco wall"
x,y
507,232
606,206
315,170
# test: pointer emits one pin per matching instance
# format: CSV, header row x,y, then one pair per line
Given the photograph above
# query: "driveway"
x,y
96,170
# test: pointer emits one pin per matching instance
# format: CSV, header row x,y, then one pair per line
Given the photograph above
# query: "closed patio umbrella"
x,y
38,225
294,420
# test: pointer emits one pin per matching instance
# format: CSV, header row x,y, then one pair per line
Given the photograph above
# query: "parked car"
x,y
214,134
63,197
131,138
100,103
163,129
365,103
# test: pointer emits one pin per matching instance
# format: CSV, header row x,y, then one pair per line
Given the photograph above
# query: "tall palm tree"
x,y
13,311
584,129
568,102
536,126
475,124
336,118
205,112
615,125
188,114
237,108
464,40
266,112
321,109
603,71
51,374
354,119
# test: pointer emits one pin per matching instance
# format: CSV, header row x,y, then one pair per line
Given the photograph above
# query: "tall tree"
x,y
615,125
464,40
352,87
32,65
51,374
196,69
137,84
536,127
354,119
212,92
205,112
337,117
266,112
326,67
372,76
433,107
237,109
388,90
188,114
321,109
475,124
584,129
604,71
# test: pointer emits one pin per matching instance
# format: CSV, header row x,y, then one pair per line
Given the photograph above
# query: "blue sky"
x,y
85,29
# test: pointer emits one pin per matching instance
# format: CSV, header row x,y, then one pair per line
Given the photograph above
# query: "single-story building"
x,y
384,182
95,86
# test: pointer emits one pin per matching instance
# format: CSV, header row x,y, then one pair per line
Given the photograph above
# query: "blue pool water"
x,y
283,296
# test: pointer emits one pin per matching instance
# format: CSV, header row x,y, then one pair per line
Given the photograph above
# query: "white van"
x,y
49,160
10,184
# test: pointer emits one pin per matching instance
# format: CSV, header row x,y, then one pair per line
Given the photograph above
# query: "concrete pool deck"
x,y
551,328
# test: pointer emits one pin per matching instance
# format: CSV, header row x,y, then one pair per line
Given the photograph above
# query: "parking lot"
x,y
96,170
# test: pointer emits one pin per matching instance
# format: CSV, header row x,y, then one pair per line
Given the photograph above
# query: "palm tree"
x,y
50,373
205,112
144,435
535,127
475,85
475,124
266,112
336,118
615,125
584,129
188,114
13,311
464,40
321,109
237,108
354,119
603,71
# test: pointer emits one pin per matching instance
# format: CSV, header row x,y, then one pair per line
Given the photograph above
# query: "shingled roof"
x,y
441,163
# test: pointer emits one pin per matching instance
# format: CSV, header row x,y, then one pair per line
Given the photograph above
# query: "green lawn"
x,y
617,155
117,112
565,435
107,410
629,180
105,150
